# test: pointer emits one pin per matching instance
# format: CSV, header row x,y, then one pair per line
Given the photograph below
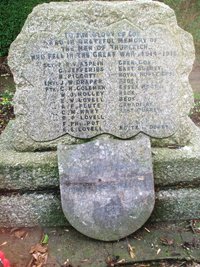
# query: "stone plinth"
x,y
30,187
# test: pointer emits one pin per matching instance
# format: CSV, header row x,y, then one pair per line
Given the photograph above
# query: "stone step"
x,y
39,170
42,208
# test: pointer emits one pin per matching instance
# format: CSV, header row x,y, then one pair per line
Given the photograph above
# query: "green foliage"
x,y
173,3
13,14
196,95
45,239
188,17
6,109
6,98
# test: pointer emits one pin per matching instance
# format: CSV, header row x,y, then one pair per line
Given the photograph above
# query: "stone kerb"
x,y
89,68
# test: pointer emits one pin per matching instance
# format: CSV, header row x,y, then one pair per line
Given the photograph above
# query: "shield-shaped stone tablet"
x,y
107,188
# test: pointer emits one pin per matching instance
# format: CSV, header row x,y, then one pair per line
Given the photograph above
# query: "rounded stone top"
x,y
93,67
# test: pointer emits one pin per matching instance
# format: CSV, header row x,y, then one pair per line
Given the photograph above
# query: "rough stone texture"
x,y
30,210
45,208
177,166
40,42
187,134
26,170
107,188
176,204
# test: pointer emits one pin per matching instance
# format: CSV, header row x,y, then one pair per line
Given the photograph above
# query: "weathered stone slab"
x,y
107,189
106,67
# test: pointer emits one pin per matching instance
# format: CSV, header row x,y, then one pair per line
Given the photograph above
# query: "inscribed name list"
x,y
119,80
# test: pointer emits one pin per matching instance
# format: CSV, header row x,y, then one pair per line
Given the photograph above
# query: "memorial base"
x,y
29,185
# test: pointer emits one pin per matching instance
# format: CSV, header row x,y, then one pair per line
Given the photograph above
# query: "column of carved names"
x,y
84,85
86,61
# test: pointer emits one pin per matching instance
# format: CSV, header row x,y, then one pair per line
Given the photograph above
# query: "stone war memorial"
x,y
102,139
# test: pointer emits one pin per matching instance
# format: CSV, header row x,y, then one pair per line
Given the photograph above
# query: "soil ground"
x,y
159,244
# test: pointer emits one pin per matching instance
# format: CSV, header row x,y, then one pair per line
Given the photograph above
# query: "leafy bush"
x,y
13,14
